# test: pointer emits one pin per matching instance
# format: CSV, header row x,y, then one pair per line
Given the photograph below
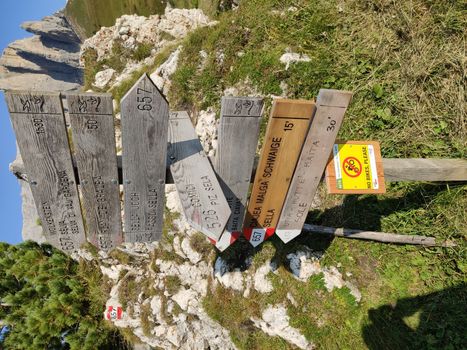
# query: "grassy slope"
x,y
404,61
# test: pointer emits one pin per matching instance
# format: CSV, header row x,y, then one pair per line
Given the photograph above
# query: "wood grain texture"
x,y
200,193
283,142
418,169
238,140
330,109
331,172
144,116
41,134
92,125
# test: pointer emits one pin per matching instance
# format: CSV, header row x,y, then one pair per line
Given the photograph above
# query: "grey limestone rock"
x,y
53,27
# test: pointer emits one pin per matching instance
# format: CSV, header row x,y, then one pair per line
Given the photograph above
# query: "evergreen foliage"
x,y
48,301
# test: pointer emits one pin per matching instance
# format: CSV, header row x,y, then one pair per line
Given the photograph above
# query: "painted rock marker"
x,y
144,115
356,167
330,109
41,134
238,139
93,133
283,142
200,193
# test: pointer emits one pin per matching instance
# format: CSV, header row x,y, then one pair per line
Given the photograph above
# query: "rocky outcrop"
x,y
49,60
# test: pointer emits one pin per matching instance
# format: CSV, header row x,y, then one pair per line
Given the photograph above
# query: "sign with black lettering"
x,y
238,139
283,142
93,134
41,134
330,109
145,116
203,201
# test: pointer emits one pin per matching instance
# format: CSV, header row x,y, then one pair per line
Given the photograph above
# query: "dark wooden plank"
x,y
144,115
41,134
283,142
203,201
238,139
330,109
93,133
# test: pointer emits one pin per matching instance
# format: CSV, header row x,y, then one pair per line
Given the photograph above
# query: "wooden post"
x,y
41,134
283,142
93,134
144,114
238,139
203,201
330,109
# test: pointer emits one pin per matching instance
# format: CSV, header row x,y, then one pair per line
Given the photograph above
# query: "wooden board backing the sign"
x,y
41,134
200,193
331,173
145,117
93,133
285,133
238,140
330,109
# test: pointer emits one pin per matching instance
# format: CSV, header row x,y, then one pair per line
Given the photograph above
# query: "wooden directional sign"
x,y
203,201
331,106
283,142
93,133
41,134
238,139
144,115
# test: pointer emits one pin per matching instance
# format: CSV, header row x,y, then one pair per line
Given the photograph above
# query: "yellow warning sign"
x,y
355,167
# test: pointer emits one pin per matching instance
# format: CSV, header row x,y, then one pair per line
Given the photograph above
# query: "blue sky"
x,y
12,14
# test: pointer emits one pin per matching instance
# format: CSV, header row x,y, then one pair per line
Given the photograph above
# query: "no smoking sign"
x,y
355,167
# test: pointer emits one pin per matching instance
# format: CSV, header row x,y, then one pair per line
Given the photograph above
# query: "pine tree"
x,y
48,301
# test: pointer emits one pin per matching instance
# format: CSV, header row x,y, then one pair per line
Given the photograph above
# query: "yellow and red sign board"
x,y
355,167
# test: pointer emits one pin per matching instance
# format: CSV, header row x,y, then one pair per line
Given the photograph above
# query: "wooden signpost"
x,y
330,109
238,139
144,115
93,134
286,131
356,167
203,201
39,125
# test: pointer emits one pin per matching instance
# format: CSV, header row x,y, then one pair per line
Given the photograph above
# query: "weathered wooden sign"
x,y
93,134
203,201
238,139
41,134
286,131
356,167
144,115
330,109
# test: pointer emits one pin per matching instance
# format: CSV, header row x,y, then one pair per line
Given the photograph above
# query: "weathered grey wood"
x,y
330,109
398,169
384,237
41,134
238,139
418,169
93,134
144,115
203,201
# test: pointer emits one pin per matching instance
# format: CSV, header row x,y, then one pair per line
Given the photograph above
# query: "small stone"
x,y
103,78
